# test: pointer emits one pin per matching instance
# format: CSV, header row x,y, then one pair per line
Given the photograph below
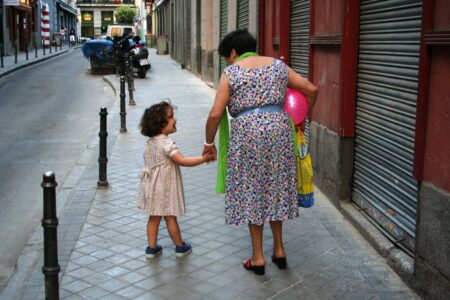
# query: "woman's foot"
x,y
257,269
280,262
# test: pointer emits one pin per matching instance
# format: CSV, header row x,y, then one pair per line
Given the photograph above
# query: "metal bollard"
x,y
50,48
15,53
26,52
35,49
127,68
1,56
130,58
56,47
60,45
102,158
50,223
131,101
43,48
123,126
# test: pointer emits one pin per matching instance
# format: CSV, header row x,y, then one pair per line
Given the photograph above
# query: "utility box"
x,y
161,44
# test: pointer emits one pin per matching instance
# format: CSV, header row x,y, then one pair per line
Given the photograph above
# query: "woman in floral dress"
x,y
260,172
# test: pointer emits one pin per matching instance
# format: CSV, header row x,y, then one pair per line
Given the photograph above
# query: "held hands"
x,y
207,157
209,152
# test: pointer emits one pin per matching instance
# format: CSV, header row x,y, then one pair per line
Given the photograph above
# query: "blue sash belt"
x,y
264,109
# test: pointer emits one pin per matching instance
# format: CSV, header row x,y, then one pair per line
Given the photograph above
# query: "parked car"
x,y
119,30
84,39
100,55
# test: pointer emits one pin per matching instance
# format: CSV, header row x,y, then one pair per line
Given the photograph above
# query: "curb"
x,y
33,63
399,261
111,84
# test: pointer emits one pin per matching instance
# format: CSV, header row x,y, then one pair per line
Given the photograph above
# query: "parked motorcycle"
x,y
139,54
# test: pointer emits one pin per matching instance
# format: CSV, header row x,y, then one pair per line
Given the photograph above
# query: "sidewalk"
x,y
10,66
102,235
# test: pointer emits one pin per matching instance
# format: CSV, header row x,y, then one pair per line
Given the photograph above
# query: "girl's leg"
x,y
152,230
174,230
278,248
256,234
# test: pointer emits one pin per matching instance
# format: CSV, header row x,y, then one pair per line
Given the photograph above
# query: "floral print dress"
x,y
261,183
161,190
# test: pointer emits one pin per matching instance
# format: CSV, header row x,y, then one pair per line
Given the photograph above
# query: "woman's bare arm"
x,y
297,82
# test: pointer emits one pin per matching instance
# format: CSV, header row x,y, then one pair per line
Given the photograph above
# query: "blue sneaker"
x,y
152,252
183,250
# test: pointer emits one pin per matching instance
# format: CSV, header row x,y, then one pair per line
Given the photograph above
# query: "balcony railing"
x,y
108,2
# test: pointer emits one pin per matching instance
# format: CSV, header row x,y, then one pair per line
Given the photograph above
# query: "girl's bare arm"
x,y
179,159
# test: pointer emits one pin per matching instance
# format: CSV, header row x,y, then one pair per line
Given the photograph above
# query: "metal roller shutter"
x,y
299,47
388,65
188,34
242,14
223,30
299,41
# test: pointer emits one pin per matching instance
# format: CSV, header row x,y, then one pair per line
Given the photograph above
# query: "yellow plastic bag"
x,y
305,180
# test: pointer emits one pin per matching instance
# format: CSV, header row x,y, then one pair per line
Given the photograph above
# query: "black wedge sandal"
x,y
280,262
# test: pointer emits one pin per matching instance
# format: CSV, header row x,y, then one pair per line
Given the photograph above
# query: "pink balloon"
x,y
296,105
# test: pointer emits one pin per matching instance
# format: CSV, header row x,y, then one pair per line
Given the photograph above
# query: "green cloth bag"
x,y
224,132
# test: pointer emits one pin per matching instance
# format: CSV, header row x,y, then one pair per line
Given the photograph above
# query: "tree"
x,y
125,15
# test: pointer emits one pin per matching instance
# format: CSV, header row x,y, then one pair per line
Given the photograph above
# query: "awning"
x,y
159,3
67,7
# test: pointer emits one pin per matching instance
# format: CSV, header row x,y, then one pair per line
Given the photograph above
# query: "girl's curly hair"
x,y
154,119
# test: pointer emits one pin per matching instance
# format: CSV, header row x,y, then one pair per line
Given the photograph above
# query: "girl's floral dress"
x,y
261,183
161,190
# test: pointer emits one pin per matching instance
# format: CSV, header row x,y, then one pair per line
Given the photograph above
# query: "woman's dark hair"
x,y
240,40
154,119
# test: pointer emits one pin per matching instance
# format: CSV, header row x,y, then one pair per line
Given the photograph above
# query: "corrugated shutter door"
x,y
188,34
299,41
242,14
223,29
385,116
299,47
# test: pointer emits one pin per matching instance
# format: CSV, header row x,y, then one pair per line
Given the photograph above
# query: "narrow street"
x,y
48,115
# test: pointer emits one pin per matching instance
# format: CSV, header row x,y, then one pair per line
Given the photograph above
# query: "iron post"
x,y
26,51
1,56
102,158
123,114
35,49
130,59
50,48
56,47
15,53
131,101
50,223
43,48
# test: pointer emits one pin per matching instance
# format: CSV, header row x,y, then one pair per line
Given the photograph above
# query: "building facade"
x,y
21,23
379,131
96,15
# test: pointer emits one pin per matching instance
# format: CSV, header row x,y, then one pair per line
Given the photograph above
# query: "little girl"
x,y
161,190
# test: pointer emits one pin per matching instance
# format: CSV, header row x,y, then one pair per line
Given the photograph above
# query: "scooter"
x,y
140,59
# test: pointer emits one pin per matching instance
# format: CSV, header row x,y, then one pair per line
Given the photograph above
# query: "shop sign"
x,y
11,2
